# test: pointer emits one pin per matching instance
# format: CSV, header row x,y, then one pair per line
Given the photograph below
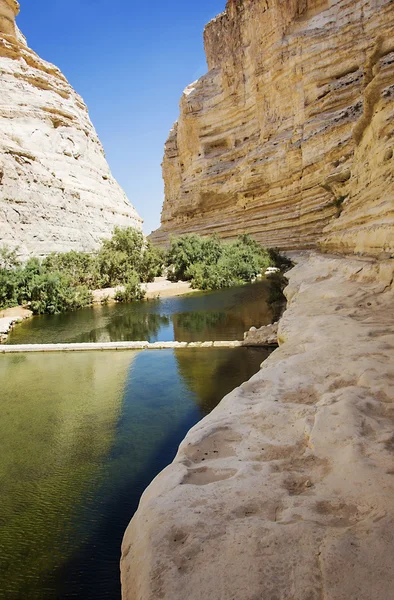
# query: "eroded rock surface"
x,y
291,130
286,490
56,189
267,335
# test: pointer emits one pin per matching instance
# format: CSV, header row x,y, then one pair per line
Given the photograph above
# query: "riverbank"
x,y
159,288
286,489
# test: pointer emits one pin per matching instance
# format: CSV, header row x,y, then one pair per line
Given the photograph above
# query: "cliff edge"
x,y
289,136
56,189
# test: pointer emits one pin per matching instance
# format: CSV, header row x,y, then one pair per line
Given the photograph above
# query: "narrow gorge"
x,y
286,491
56,189
283,489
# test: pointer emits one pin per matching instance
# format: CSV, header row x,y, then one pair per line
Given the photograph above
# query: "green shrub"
x,y
55,293
81,267
153,260
120,256
8,288
62,280
212,277
9,280
132,290
211,264
184,252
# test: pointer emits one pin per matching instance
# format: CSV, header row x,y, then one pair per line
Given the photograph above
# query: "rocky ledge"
x,y
286,490
267,335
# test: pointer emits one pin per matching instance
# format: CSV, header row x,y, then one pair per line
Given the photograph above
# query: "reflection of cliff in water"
x,y
213,373
244,307
65,409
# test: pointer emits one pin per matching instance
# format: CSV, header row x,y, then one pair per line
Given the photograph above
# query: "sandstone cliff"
x,y
291,131
56,188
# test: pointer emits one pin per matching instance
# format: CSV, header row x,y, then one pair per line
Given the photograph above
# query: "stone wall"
x,y
290,131
56,189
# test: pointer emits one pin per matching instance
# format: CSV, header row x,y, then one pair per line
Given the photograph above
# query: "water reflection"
x,y
82,436
58,422
226,369
221,315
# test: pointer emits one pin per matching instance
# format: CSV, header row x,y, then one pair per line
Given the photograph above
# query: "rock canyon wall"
x,y
56,189
290,134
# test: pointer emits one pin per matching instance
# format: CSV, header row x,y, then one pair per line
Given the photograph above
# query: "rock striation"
x,y
289,136
286,489
56,189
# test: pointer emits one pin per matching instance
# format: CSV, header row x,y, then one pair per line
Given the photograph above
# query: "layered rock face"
x,y
56,189
291,130
286,490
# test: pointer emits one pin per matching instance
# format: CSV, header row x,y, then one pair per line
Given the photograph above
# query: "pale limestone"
x,y
292,124
267,335
56,189
295,496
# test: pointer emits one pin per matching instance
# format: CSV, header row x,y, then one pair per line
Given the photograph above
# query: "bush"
x,y
212,277
184,252
152,263
8,288
211,264
55,293
132,290
62,280
120,256
81,267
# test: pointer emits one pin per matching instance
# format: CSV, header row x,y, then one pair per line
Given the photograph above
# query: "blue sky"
x,y
130,60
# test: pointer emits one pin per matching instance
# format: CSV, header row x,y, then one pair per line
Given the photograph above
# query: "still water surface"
x,y
82,435
221,315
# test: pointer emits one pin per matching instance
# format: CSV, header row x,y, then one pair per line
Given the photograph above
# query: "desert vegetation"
x,y
64,281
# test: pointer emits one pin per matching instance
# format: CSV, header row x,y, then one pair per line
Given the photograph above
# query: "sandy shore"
x,y
164,288
160,287
16,311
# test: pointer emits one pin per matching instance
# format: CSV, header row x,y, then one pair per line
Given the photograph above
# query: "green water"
x,y
221,315
82,435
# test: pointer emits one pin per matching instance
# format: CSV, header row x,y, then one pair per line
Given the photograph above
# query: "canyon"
x,y
289,135
57,192
285,491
